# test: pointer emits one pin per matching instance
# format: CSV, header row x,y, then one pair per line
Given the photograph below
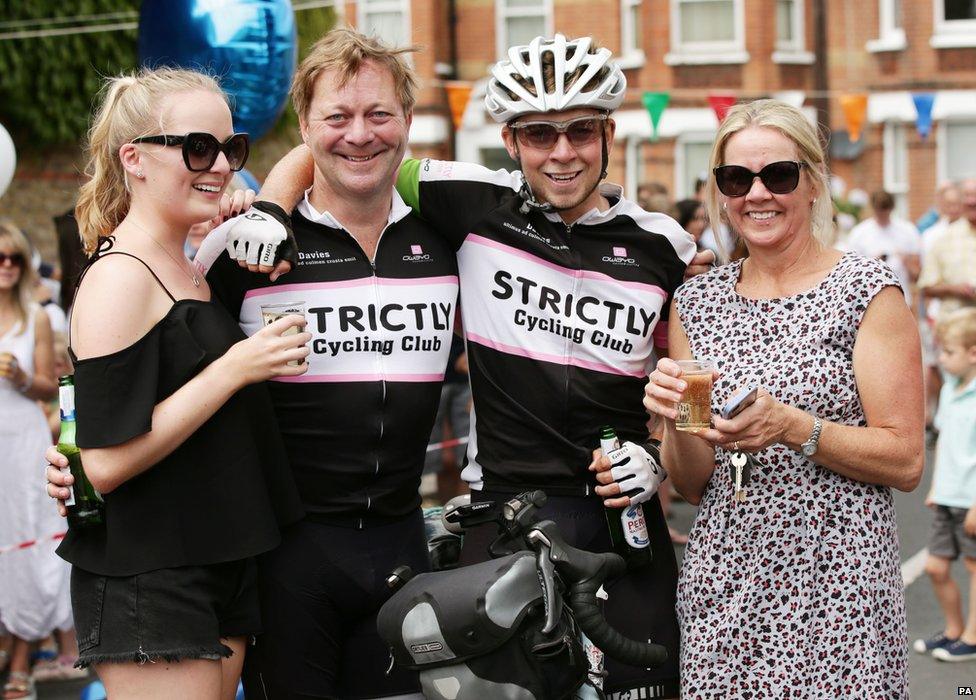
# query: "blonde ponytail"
x,y
129,109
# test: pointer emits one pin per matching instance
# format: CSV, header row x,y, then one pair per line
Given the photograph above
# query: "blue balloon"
x,y
249,44
93,691
244,179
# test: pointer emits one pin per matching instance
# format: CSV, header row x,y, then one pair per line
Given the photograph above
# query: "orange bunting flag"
x,y
458,94
855,109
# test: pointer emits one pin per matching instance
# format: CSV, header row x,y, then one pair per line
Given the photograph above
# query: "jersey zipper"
x,y
577,277
379,360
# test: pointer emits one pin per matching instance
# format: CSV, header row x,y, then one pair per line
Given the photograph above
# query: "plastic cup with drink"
x,y
695,406
272,312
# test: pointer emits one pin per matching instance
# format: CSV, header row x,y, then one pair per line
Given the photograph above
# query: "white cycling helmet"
x,y
507,96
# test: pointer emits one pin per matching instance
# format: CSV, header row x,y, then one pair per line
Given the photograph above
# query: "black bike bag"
x,y
476,632
450,616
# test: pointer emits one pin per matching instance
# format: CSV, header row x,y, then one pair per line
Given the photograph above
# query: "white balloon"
x,y
8,160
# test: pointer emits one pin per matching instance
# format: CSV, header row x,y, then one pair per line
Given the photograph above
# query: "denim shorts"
x,y
167,614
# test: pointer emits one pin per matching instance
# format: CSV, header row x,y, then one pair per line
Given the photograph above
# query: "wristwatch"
x,y
809,448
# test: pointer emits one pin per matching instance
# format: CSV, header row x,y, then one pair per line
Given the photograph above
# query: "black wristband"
x,y
274,211
288,248
653,448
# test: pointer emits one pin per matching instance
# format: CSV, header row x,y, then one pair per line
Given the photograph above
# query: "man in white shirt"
x,y
949,206
891,239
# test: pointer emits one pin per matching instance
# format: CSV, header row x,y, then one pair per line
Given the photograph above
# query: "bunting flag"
x,y
458,94
923,108
655,103
721,104
855,108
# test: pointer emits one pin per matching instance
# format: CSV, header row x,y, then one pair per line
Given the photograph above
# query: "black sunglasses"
x,y
544,135
16,259
781,177
200,150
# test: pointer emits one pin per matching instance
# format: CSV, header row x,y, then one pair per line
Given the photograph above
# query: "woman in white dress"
x,y
34,597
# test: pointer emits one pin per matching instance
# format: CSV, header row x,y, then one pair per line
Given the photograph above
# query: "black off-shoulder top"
x,y
221,495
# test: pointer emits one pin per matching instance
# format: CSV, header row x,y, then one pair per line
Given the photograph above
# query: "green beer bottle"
x,y
85,506
628,529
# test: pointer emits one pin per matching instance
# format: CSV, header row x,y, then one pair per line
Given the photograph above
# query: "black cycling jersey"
x,y
560,320
356,424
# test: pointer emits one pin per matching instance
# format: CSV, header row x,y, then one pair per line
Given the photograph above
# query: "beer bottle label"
x,y
66,397
634,526
70,500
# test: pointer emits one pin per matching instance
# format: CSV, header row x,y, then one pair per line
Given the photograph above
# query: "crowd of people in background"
x,y
932,262
34,605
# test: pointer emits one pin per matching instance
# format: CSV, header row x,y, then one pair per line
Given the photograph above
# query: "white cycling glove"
x,y
638,472
259,234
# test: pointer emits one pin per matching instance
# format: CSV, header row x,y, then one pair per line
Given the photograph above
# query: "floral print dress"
x,y
797,592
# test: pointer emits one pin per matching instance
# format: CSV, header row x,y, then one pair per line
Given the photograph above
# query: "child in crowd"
x,y
953,494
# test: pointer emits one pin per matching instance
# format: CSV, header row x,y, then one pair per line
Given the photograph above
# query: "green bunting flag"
x,y
656,103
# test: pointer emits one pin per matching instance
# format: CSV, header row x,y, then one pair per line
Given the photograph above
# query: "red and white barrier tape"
x,y
433,447
30,543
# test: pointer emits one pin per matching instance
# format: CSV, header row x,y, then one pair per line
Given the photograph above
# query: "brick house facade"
x,y
691,48
688,48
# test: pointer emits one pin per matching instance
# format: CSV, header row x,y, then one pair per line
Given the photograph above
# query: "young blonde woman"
x,y
175,425
33,583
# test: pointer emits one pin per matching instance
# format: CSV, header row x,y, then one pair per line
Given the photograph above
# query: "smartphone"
x,y
744,398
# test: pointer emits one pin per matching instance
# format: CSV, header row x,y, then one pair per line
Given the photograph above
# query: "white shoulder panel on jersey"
x,y
437,170
661,224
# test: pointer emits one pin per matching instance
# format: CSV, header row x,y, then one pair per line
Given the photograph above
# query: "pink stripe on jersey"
x,y
475,239
345,284
308,286
333,378
547,357
405,282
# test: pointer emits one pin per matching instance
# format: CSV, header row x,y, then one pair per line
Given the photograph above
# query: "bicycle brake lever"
x,y
551,597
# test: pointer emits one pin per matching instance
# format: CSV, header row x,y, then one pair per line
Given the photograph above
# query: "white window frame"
x,y
895,138
794,51
633,149
503,12
942,147
707,52
891,36
364,9
951,34
631,53
681,166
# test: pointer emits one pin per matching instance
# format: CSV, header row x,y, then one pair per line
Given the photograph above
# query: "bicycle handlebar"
x,y
583,573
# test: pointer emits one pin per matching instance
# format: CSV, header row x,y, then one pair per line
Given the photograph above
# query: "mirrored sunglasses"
x,y
200,150
781,177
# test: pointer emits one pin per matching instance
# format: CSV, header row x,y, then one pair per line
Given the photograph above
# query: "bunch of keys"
x,y
740,473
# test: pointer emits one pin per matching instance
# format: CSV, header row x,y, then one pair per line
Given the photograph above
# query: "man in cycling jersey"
x,y
565,287
380,291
